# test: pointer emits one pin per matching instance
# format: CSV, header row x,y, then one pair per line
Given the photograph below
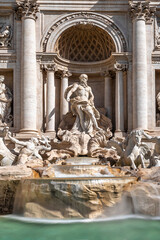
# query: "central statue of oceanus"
x,y
81,99
82,123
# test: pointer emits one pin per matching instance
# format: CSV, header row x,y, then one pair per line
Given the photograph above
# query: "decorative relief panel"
x,y
5,35
6,30
157,33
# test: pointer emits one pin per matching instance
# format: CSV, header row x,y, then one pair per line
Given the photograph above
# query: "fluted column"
x,y
64,108
140,12
27,10
50,99
108,93
119,97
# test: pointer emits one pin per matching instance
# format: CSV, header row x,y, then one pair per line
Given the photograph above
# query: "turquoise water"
x,y
128,229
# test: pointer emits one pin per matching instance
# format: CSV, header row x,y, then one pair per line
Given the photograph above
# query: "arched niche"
x,y
83,18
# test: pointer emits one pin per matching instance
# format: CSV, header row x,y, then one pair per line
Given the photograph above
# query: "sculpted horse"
x,y
132,151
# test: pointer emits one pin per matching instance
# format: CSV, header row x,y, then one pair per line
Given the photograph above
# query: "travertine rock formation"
x,y
85,198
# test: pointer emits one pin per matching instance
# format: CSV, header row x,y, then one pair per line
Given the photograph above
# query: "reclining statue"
x,y
30,149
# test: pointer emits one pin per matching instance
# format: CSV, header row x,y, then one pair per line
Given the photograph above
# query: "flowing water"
x,y
60,208
68,198
124,229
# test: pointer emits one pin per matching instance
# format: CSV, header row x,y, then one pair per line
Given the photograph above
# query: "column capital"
x,y
66,74
120,67
142,10
49,67
108,74
27,9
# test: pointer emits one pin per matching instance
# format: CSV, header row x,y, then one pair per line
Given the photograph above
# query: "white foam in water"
x,y
64,175
71,221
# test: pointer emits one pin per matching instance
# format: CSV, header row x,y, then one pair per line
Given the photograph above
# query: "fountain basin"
x,y
69,197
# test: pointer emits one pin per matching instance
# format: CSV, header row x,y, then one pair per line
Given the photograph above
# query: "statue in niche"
x,y
81,99
82,123
5,36
5,103
158,114
157,33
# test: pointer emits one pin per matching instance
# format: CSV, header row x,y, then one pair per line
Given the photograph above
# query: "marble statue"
x,y
5,103
81,99
81,124
158,100
155,158
132,151
5,36
7,158
158,114
98,145
30,149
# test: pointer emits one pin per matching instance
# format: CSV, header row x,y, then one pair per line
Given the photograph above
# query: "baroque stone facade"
x,y
45,46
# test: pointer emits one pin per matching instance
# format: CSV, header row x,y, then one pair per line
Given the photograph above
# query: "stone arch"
x,y
95,19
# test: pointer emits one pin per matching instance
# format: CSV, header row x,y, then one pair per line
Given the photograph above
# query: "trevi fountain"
x,y
79,120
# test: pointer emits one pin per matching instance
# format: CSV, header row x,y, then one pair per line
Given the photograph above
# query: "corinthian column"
x,y
119,98
108,93
28,9
64,108
140,12
50,100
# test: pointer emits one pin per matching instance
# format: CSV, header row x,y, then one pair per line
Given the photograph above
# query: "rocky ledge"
x,y
37,196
